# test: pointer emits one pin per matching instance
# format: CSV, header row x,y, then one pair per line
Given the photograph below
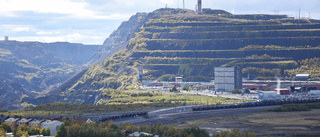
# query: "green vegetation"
x,y
81,129
117,101
236,91
308,66
235,133
294,107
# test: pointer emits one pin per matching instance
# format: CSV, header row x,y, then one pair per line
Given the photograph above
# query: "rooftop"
x,y
12,119
24,120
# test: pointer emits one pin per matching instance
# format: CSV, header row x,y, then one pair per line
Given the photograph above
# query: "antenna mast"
x,y
299,13
183,4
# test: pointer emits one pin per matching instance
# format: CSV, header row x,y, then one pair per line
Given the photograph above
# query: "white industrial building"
x,y
227,78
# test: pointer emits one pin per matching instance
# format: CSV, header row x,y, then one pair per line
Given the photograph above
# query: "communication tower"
x,y
6,38
199,6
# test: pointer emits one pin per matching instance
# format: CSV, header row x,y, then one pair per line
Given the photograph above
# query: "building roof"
x,y
3,118
303,75
12,119
136,134
36,121
49,122
24,120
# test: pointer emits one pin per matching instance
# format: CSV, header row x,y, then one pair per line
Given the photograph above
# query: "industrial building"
x,y
227,78
140,72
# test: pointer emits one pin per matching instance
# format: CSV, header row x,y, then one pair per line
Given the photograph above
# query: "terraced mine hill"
x,y
181,42
191,45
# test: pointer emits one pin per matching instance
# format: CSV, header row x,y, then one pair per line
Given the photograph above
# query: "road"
x,y
181,115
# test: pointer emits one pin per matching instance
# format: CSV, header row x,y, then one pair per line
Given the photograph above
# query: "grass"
x,y
265,122
286,118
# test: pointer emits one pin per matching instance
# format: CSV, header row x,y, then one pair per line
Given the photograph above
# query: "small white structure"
x,y
303,76
52,124
136,134
314,92
268,95
179,79
6,38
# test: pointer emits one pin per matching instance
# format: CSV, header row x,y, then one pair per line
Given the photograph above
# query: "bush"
x,y
174,89
236,91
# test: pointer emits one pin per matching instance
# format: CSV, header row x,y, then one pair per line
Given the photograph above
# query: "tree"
x,y
48,131
189,89
34,131
195,131
236,91
74,130
25,128
184,87
174,89
62,131
2,132
6,127
20,133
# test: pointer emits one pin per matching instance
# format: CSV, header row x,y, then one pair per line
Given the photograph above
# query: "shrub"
x,y
236,91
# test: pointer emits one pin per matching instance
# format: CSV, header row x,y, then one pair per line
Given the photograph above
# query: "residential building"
x,y
52,124
227,78
13,122
35,123
137,134
23,121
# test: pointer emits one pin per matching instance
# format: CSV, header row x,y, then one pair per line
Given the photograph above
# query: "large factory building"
x,y
227,78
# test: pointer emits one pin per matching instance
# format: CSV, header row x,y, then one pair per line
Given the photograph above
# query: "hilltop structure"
x,y
199,6
6,38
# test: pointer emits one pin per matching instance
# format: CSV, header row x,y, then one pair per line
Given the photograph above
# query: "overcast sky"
x,y
92,21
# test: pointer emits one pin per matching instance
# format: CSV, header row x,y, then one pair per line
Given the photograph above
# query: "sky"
x,y
92,21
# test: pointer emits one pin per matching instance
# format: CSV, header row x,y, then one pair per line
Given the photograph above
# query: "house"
x,y
23,121
137,134
52,124
89,121
3,118
12,122
35,123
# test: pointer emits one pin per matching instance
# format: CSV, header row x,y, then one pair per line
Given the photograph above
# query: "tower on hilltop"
x,y
199,6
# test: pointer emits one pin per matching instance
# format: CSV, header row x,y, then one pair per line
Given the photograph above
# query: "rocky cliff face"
x,y
119,39
35,66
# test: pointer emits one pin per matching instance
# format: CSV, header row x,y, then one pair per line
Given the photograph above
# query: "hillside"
x,y
181,42
28,68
